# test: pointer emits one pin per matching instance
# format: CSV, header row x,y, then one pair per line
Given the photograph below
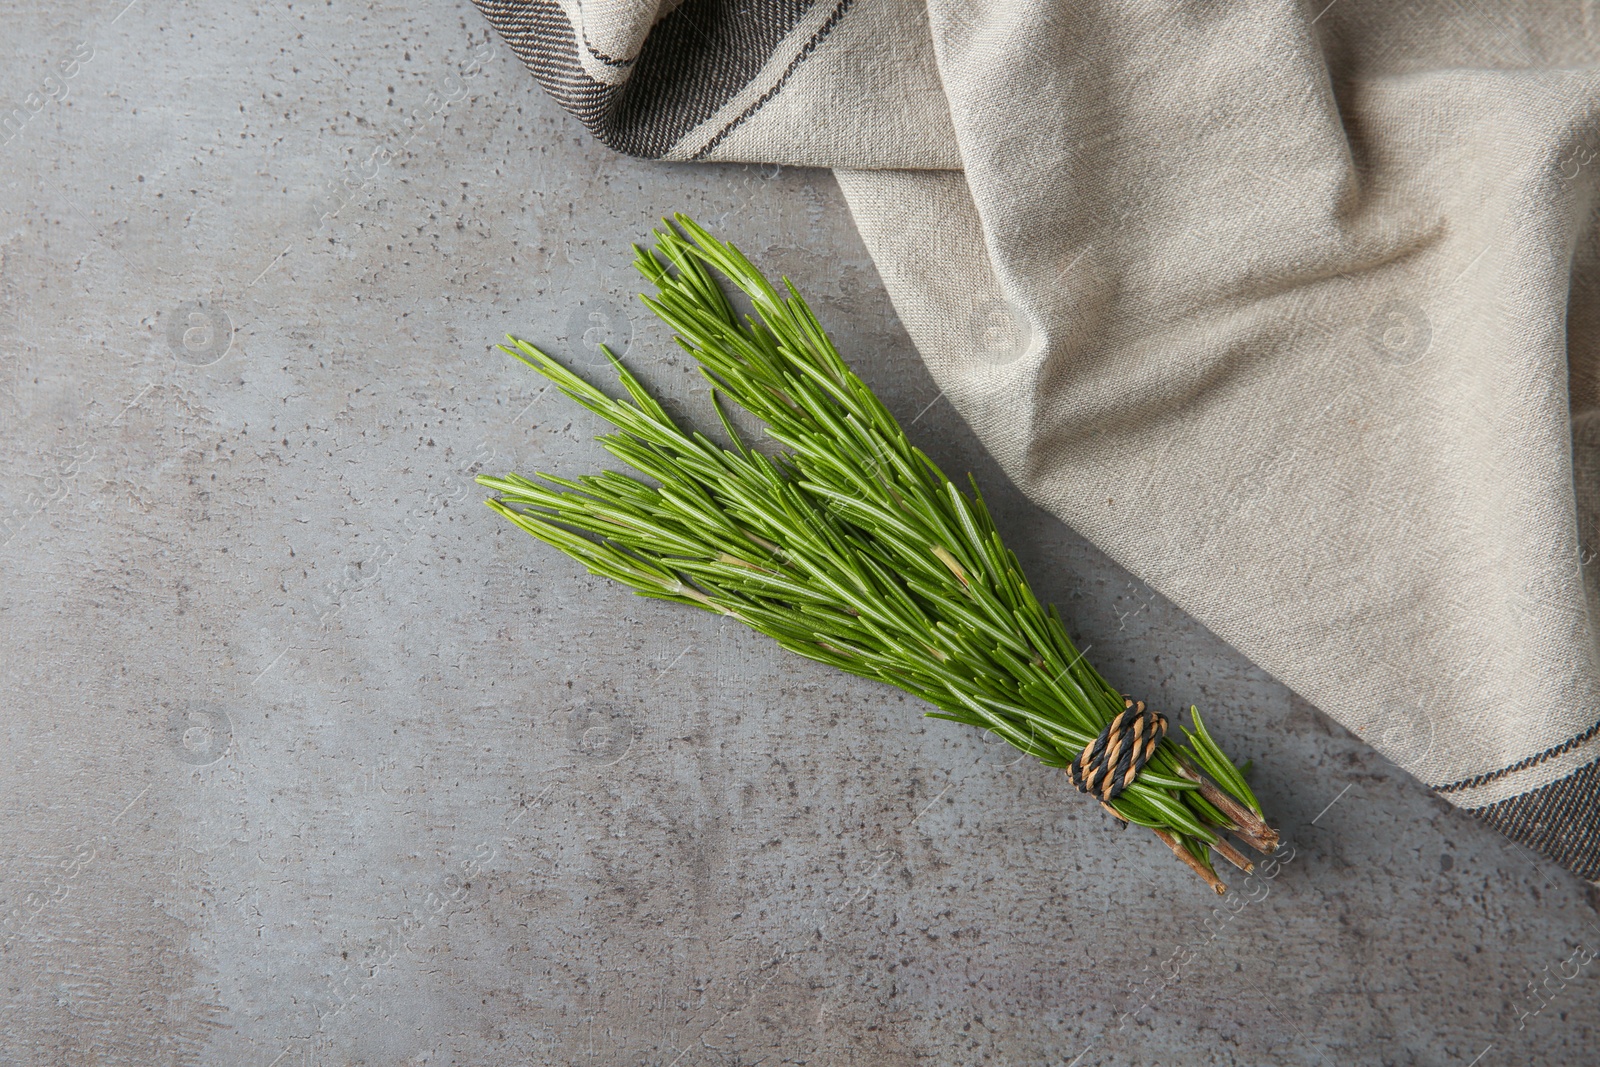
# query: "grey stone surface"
x,y
311,760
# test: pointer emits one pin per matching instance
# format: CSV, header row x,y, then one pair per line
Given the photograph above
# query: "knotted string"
x,y
1114,760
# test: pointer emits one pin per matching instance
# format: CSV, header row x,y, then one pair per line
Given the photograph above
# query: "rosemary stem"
x,y
1193,864
1247,825
1233,855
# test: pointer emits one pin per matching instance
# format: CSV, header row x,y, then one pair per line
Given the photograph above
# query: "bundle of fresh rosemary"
x,y
850,547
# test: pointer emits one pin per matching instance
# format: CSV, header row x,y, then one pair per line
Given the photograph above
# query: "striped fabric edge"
x,y
1550,753
1561,820
694,61
803,53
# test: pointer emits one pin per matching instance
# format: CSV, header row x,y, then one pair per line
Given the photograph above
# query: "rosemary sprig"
x,y
849,547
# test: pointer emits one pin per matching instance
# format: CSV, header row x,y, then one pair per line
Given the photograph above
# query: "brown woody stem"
x,y
1194,865
1233,856
1247,825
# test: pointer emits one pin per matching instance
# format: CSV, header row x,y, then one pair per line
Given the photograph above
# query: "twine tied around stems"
x,y
1111,763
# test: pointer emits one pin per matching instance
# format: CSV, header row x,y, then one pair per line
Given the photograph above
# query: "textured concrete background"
x,y
310,760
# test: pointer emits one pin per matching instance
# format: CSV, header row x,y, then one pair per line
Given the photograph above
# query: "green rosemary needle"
x,y
848,546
